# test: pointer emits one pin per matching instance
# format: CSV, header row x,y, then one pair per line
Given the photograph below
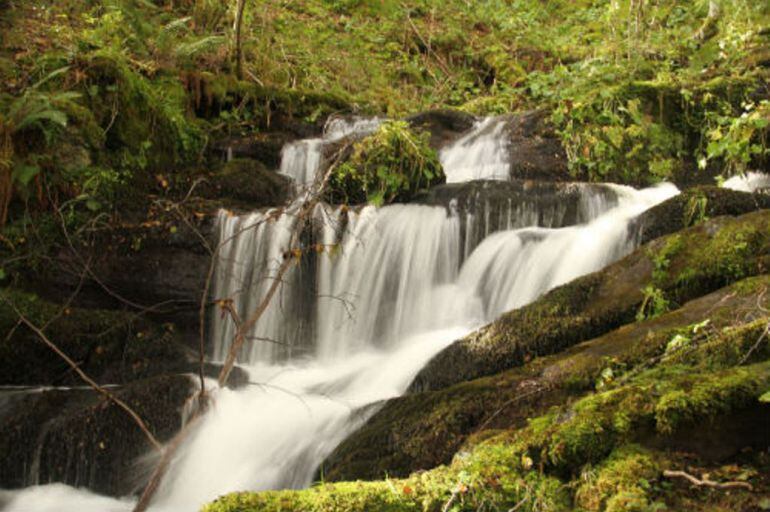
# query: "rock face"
x,y
524,202
423,430
114,347
79,438
247,183
682,266
536,153
486,207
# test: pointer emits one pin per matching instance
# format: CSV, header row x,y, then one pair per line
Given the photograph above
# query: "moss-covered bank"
x,y
538,467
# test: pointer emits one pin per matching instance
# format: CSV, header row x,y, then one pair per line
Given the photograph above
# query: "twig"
x,y
756,345
705,482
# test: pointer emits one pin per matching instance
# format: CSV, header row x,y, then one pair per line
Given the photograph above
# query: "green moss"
x,y
709,396
485,478
390,165
622,482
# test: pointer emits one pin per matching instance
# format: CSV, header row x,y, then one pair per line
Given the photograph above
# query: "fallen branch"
x,y
705,482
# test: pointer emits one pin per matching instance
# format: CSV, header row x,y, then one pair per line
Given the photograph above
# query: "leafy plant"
x,y
738,141
654,303
32,111
389,165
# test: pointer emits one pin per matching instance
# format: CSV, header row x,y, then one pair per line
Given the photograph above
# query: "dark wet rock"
x,y
156,267
693,206
246,183
486,207
423,430
679,267
262,147
111,346
535,149
80,438
444,125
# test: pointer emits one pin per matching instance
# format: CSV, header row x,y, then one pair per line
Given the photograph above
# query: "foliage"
x,y
739,141
610,142
389,165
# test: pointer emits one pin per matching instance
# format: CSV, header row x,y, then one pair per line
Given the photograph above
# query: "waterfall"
x,y
481,154
374,294
410,294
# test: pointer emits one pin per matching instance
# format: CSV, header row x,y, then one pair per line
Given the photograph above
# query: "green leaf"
x,y
25,173
92,204
56,117
765,398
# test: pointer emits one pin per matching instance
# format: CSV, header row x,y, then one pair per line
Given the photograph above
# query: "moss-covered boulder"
x,y
111,346
423,430
80,438
665,273
392,164
693,206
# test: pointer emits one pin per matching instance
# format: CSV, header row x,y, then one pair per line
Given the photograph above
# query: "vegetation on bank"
x,y
100,96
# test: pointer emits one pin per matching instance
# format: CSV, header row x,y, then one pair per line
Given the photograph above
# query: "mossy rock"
x,y
80,438
676,268
111,346
392,164
693,206
423,430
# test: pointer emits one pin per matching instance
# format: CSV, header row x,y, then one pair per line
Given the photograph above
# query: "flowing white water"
x,y
377,293
481,154
411,298
749,182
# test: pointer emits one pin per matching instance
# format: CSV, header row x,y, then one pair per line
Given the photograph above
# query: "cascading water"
x,y
481,154
375,295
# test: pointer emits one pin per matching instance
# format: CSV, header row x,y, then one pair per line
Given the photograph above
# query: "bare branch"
x,y
705,482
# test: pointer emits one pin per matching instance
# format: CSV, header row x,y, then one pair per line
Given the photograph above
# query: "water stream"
x,y
376,294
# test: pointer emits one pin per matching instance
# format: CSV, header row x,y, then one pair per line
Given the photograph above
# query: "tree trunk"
x,y
238,39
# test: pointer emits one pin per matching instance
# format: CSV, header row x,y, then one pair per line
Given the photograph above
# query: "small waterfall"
x,y
369,276
410,295
481,154
304,159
